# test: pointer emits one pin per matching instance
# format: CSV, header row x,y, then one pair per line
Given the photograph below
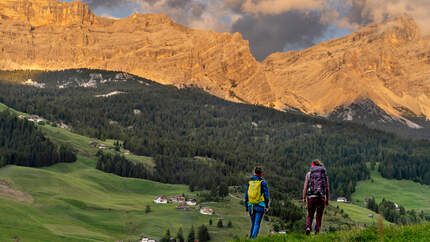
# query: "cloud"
x,y
288,30
105,3
362,12
279,6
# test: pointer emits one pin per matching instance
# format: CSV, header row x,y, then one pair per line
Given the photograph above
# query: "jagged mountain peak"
x,y
401,29
47,12
384,62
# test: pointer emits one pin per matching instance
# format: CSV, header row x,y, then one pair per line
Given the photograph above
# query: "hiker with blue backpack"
x,y
316,194
256,200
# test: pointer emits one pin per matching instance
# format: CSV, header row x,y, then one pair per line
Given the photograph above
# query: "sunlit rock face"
x,y
51,35
387,63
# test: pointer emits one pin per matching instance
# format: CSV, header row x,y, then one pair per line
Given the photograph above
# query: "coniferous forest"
x,y
21,143
190,132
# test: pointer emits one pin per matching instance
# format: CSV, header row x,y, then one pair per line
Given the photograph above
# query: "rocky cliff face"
x,y
44,12
386,63
48,35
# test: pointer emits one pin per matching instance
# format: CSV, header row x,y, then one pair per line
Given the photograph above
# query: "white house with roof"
x,y
342,200
206,211
192,202
161,200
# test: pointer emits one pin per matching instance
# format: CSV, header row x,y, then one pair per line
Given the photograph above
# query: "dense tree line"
x,y
395,213
119,165
21,143
195,137
410,165
290,214
210,177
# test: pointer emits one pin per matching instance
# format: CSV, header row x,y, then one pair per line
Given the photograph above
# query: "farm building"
x,y
192,202
178,199
161,199
342,200
207,211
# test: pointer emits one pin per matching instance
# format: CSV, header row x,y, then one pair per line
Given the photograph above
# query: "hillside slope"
x,y
386,62
179,127
76,202
408,194
395,233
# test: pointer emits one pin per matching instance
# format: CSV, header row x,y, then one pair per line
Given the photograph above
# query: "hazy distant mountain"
x,y
386,63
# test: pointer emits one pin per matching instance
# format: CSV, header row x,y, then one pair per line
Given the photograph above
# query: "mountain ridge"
x,y
383,62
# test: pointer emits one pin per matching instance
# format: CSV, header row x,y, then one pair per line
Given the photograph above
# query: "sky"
x,y
273,25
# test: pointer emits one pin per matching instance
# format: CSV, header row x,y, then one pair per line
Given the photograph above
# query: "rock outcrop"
x,y
49,35
387,63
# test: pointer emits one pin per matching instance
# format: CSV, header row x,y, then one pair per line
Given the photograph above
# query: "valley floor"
x,y
76,202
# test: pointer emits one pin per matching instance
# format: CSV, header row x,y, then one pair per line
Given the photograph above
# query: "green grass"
x,y
406,193
388,234
359,214
76,202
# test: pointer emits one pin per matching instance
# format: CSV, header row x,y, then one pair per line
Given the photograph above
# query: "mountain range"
x,y
383,67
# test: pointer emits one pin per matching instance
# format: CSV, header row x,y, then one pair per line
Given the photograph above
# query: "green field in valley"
x,y
359,214
406,193
76,202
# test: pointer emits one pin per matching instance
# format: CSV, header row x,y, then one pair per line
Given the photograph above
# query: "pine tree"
x,y
148,209
220,225
223,190
3,161
230,224
203,234
180,235
166,237
210,222
191,235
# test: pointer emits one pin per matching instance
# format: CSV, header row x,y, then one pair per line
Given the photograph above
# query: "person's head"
x,y
258,171
317,162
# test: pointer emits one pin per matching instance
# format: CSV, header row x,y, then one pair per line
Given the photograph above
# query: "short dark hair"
x,y
258,170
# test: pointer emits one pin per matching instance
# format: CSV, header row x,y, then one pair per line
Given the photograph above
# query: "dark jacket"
x,y
264,191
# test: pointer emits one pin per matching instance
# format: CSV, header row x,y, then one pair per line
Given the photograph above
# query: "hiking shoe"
x,y
308,231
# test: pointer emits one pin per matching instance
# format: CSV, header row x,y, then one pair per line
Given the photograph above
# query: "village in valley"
x,y
183,204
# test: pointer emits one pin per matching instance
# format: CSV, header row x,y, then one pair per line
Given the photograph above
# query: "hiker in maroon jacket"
x,y
316,191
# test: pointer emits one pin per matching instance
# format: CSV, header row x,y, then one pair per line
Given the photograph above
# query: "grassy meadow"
x,y
406,193
359,215
416,233
76,202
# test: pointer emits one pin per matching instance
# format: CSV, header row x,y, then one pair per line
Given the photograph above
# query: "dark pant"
x,y
315,203
256,213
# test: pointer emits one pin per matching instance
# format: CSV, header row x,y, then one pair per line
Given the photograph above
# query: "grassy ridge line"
x,y
76,202
394,233
409,194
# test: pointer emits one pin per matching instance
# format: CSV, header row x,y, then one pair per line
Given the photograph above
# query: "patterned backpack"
x,y
317,181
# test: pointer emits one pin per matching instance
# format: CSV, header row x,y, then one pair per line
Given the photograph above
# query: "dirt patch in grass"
x,y
9,192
